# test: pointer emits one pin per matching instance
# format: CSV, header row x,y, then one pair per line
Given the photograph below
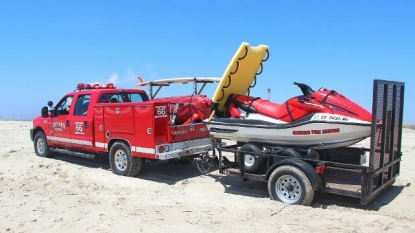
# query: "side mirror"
x,y
45,112
50,103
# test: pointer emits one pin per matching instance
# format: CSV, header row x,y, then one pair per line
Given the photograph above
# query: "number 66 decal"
x,y
78,128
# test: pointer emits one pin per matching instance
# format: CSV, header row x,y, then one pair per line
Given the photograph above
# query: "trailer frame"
x,y
341,171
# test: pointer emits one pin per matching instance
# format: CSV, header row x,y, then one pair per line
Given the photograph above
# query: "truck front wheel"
x,y
290,185
41,145
122,162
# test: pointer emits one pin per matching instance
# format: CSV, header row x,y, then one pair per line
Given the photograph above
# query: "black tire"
x,y
122,162
253,164
290,185
290,152
41,145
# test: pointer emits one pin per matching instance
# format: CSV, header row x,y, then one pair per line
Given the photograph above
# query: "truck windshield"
x,y
122,97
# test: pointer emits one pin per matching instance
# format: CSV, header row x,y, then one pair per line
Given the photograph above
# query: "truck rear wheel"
x,y
41,145
288,184
122,162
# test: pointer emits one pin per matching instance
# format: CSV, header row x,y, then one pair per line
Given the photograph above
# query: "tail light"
x,y
164,148
321,169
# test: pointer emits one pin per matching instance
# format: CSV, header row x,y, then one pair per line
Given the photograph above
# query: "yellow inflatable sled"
x,y
240,75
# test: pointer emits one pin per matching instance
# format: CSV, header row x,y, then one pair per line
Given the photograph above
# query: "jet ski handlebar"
x,y
307,91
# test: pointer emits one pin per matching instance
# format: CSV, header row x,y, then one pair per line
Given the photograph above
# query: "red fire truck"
x,y
125,124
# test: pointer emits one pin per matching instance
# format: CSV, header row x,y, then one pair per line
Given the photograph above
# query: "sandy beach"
x,y
71,194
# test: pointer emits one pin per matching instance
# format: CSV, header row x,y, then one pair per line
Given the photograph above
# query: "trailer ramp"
x,y
384,155
385,148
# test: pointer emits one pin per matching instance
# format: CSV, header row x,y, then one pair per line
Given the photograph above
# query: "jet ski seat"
x,y
250,104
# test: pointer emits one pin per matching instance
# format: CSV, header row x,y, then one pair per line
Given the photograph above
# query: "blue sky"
x,y
47,47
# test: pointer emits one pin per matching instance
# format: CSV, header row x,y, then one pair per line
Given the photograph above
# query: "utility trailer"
x,y
358,172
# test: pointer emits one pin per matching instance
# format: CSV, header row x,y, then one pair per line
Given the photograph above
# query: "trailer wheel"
x,y
41,145
252,163
290,185
122,162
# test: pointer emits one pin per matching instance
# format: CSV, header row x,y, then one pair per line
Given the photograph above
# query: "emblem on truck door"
x,y
161,111
117,110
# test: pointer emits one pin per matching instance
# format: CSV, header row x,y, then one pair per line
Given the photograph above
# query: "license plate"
x,y
178,146
172,156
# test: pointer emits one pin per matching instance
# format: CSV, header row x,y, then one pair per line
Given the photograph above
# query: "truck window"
x,y
63,107
137,97
110,98
122,97
81,106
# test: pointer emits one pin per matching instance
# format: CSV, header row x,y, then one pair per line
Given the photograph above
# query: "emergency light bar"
x,y
85,86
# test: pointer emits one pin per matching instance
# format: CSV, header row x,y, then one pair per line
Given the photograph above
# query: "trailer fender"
x,y
300,164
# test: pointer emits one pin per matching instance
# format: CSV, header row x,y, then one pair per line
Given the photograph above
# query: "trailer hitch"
x,y
204,163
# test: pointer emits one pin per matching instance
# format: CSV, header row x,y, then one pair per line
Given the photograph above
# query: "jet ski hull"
x,y
306,133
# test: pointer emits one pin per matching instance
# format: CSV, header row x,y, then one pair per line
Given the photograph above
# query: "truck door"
x,y
60,131
81,124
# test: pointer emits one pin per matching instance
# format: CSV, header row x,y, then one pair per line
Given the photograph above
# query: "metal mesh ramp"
x,y
385,149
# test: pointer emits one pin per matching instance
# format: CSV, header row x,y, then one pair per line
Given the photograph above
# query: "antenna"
x,y
269,94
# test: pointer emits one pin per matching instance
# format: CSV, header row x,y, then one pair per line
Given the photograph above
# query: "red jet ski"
x,y
319,119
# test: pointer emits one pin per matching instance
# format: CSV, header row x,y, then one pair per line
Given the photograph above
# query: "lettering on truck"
x,y
161,111
178,132
58,126
191,128
79,128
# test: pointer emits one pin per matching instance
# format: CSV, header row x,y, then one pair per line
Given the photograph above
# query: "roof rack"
x,y
182,80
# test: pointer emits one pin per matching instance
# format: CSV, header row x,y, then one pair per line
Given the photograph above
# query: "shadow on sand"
x,y
159,171
168,173
100,162
171,173
383,199
236,185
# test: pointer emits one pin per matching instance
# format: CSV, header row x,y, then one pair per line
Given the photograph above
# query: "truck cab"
x,y
123,123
